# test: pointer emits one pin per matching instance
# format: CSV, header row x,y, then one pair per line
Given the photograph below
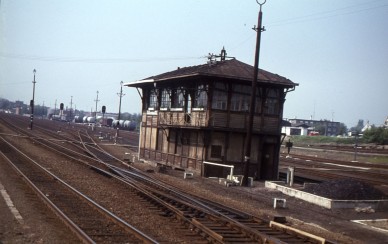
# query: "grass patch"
x,y
378,159
310,140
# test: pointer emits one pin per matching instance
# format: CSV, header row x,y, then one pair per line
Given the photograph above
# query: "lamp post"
x,y
248,139
32,101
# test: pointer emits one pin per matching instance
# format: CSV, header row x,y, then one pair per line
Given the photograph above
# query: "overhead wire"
x,y
91,60
318,16
299,19
327,14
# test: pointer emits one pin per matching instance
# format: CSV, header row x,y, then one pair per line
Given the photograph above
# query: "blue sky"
x,y
336,50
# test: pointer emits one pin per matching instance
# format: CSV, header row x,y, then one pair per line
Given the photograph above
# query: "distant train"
x,y
109,122
124,124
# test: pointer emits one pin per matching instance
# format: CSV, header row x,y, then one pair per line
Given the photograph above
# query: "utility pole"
x,y
55,107
121,94
95,116
248,139
32,101
71,108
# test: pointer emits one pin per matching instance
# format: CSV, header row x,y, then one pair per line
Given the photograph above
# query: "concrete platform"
x,y
326,202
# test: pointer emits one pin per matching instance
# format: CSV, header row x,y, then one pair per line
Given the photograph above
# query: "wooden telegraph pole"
x,y
248,139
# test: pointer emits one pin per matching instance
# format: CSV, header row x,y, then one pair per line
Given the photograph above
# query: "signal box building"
x,y
199,114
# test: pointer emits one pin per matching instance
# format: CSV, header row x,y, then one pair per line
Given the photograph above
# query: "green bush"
x,y
377,135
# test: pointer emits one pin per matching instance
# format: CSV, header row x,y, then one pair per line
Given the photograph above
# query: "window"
x,y
295,131
200,96
216,151
153,99
258,101
220,100
220,96
240,98
272,102
165,98
178,98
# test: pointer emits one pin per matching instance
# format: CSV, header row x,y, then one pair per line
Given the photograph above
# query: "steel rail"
x,y
336,161
129,228
251,225
66,220
151,193
317,169
350,149
166,190
179,213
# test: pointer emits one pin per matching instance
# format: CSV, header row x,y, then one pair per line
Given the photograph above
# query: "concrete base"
x,y
187,175
376,224
326,202
279,202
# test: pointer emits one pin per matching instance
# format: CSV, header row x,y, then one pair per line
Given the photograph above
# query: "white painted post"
x,y
292,170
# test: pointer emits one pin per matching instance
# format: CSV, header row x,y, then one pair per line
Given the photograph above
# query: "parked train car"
x,y
106,122
78,119
124,124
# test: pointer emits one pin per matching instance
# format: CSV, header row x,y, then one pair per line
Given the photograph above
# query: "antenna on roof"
x,y
212,59
223,54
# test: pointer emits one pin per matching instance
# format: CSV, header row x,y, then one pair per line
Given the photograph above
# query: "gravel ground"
x,y
38,225
345,189
332,224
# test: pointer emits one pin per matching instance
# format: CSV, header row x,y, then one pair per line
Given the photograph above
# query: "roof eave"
x,y
145,82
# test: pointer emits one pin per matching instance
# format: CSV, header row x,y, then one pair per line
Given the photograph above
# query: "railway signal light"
x,y
289,144
103,109
61,106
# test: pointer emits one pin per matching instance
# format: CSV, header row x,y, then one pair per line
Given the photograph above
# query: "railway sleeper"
x,y
238,240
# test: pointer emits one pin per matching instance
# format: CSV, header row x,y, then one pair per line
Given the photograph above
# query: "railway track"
x,y
214,222
351,148
335,161
319,169
209,221
90,221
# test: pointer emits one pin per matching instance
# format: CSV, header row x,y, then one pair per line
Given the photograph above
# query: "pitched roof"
x,y
229,69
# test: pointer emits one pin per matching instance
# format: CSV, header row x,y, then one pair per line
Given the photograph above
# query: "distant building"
x,y
304,127
199,114
366,127
386,122
295,129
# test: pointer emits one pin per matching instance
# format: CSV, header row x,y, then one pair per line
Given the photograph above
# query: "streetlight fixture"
x,y
32,101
